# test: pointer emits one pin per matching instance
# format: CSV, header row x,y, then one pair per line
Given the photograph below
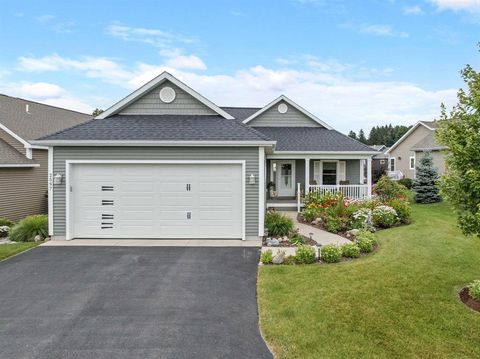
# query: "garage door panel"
x,y
152,200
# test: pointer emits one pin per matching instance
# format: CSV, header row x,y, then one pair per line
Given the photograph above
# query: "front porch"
x,y
290,179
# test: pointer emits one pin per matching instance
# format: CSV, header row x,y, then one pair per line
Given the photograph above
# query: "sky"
x,y
354,64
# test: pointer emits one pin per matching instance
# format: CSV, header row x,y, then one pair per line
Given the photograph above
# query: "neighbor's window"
x,y
392,164
412,162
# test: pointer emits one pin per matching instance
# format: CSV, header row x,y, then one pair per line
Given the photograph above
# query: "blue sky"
x,y
352,63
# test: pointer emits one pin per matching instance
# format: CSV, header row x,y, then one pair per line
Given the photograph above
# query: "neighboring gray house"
x,y
404,155
23,166
165,162
379,162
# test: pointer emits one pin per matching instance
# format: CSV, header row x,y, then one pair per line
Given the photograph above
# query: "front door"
x,y
285,181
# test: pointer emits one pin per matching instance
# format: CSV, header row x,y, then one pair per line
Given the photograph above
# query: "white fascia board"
x,y
291,103
320,155
164,76
156,143
19,165
401,139
25,143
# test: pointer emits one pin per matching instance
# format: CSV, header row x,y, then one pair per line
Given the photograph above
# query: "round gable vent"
x,y
282,108
167,94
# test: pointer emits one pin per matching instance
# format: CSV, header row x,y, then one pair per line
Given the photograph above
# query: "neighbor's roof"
x,y
159,128
241,113
40,120
10,156
428,143
312,139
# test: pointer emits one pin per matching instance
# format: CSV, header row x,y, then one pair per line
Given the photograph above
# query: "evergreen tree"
x,y
97,112
352,134
361,136
425,182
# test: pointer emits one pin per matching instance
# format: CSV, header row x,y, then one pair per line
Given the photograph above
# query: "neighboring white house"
x,y
165,162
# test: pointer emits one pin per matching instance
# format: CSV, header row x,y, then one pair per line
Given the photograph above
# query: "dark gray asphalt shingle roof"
x,y
311,139
10,156
160,128
241,113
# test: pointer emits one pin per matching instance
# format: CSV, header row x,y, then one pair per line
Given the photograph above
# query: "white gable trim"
x,y
291,103
408,134
164,76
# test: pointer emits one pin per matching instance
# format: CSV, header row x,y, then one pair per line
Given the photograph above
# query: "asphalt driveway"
x,y
124,302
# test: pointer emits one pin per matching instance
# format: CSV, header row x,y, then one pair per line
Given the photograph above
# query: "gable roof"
x,y
428,143
164,76
161,128
10,157
291,103
40,119
313,139
431,125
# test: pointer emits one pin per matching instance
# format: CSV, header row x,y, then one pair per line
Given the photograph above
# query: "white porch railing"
x,y
355,191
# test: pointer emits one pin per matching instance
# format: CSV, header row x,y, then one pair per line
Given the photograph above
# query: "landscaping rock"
x,y
278,258
352,233
284,239
317,221
273,242
38,238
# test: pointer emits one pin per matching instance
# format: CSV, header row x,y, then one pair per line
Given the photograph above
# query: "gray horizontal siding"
x,y
292,118
150,104
353,171
249,154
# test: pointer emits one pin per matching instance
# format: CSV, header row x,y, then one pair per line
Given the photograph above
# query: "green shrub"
x,y
351,250
305,255
364,234
386,189
278,224
310,214
267,257
326,200
6,222
474,289
365,245
330,253
297,239
335,224
289,260
384,216
29,227
407,182
403,209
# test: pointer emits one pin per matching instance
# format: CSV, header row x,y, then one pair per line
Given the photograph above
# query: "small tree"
x,y
460,132
425,182
97,112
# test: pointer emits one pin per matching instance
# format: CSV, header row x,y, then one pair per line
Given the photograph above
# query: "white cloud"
x,y
413,10
45,18
332,90
41,90
155,37
44,92
175,58
457,5
375,30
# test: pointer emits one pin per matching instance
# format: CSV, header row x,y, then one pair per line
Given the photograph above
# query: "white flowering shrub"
x,y
4,231
384,216
362,218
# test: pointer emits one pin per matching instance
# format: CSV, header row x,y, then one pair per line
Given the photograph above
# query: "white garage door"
x,y
156,201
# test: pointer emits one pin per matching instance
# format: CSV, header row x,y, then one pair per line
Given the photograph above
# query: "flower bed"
x,y
341,215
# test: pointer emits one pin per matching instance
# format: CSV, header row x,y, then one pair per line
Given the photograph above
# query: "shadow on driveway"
x,y
124,302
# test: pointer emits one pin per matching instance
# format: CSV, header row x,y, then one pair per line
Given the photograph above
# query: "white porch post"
x,y
362,171
369,177
261,190
307,175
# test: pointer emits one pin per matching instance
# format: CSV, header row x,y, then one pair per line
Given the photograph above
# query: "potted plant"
x,y
271,189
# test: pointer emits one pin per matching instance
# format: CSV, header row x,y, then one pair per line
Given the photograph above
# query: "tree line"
x,y
380,135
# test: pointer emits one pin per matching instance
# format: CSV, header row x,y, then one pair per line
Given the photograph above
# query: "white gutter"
x,y
154,143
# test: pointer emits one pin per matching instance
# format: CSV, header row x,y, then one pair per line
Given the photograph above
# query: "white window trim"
x,y
410,162
70,163
390,164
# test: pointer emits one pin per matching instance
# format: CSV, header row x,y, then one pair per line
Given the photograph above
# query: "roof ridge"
x,y
44,104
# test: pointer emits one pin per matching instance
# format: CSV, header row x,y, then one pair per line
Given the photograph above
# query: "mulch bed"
x,y
469,301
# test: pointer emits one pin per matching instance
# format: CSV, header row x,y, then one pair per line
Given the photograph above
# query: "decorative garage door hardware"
x,y
107,202
107,216
189,187
107,188
107,225
189,215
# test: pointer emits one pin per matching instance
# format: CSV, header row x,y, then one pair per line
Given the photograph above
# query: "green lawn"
x,y
7,250
400,302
